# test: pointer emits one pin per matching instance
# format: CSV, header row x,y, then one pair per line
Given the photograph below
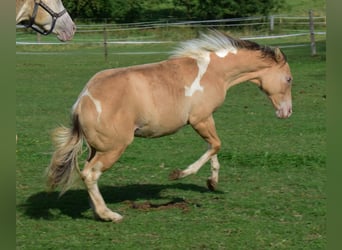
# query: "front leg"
x,y
206,129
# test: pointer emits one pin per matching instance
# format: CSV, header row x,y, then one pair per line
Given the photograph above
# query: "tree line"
x,y
121,11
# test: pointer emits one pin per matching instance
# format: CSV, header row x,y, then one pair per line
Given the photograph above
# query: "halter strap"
x,y
53,14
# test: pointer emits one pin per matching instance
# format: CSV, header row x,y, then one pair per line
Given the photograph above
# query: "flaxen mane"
x,y
215,41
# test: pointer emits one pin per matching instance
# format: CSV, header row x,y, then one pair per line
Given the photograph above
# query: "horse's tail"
x,y
64,167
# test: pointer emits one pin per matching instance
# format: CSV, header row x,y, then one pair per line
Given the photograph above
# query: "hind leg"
x,y
215,167
100,162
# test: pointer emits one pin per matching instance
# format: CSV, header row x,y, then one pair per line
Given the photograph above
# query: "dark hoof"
x,y
211,184
175,175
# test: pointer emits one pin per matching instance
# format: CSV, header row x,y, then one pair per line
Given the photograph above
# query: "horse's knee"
x,y
216,147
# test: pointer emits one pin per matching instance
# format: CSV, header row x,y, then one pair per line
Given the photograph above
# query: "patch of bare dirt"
x,y
148,206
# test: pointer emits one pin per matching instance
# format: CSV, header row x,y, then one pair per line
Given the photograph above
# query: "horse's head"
x,y
51,16
276,81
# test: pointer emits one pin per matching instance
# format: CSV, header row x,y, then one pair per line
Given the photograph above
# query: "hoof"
x,y
211,184
117,218
108,215
175,175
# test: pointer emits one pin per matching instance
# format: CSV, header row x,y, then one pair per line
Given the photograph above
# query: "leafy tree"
x,y
126,10
189,7
94,9
146,10
259,7
217,9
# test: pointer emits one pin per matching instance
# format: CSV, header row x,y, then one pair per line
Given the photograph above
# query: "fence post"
x,y
271,23
38,37
105,43
312,34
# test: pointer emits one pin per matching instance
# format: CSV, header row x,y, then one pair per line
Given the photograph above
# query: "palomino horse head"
x,y
46,16
276,81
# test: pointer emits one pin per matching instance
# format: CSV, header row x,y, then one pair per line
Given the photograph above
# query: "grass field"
x,y
301,7
272,190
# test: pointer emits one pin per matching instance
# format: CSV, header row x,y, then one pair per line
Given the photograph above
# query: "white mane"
x,y
213,41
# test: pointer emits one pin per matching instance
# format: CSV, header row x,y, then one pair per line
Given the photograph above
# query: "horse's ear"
x,y
278,55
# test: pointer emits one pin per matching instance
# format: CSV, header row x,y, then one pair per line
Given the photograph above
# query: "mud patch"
x,y
181,204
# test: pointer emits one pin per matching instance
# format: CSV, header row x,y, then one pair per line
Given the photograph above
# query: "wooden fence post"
x,y
105,43
271,23
312,34
38,37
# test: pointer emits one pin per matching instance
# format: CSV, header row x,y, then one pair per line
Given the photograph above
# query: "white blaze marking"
x,y
202,64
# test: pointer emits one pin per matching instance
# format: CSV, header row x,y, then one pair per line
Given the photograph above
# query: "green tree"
x,y
126,10
189,7
218,9
94,9
147,10
259,7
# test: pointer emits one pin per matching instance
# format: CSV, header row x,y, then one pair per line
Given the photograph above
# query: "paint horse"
x,y
157,99
45,17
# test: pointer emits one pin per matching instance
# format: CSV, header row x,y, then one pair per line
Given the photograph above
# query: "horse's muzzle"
x,y
284,112
66,34
65,28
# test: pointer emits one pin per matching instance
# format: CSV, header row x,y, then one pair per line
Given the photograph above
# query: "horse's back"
x,y
148,99
147,86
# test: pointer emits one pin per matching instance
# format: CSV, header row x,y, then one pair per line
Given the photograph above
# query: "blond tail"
x,y
64,164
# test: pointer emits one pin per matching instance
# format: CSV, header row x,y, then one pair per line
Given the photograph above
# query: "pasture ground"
x,y
272,190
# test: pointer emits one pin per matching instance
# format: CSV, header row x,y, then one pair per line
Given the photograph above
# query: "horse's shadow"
x,y
75,202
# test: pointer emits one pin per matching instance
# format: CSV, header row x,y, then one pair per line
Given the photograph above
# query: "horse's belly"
x,y
151,131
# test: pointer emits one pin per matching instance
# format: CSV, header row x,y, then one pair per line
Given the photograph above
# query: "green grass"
x,y
272,190
302,7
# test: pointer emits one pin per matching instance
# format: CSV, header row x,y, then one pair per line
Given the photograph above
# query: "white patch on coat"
x,y
224,52
96,102
202,64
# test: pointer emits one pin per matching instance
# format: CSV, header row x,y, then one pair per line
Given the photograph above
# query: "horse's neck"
x,y
22,10
241,67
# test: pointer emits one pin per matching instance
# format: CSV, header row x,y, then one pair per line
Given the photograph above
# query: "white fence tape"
x,y
160,42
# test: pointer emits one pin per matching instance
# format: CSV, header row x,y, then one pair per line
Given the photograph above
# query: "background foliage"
x,y
144,10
